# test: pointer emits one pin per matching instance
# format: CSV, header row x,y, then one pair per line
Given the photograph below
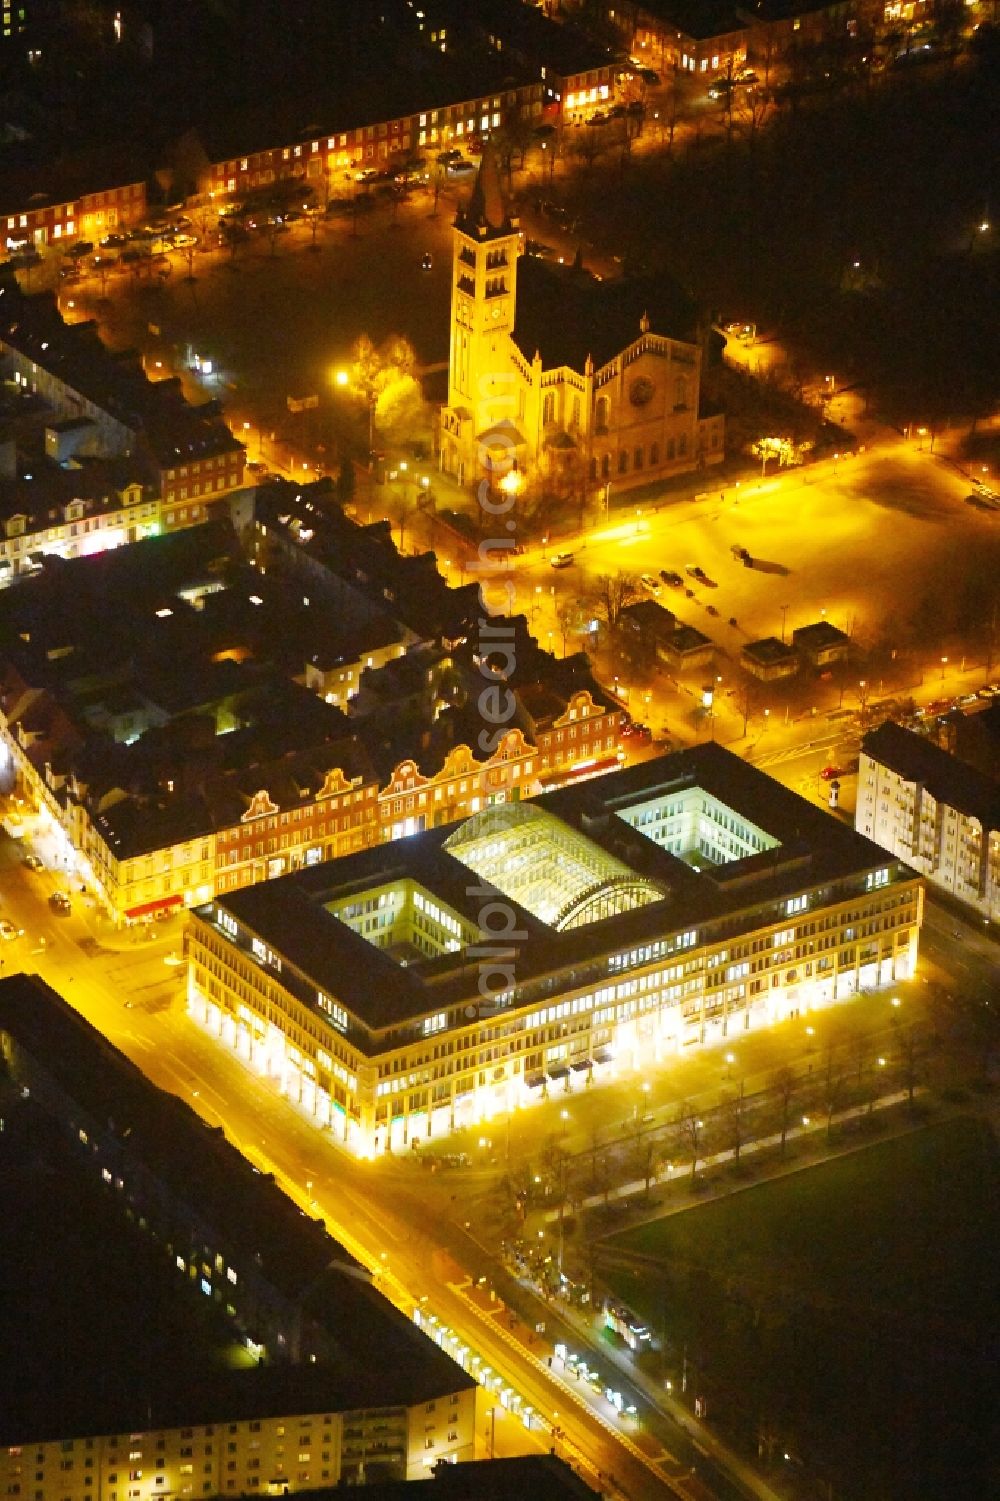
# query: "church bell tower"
x,y
486,245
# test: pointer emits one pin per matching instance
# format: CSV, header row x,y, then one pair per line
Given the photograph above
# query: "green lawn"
x,y
849,1307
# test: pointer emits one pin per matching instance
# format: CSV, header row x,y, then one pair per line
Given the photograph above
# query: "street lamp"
x,y
944,664
511,482
342,379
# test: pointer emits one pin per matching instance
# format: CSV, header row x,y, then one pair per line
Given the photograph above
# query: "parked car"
x,y
9,931
695,571
60,902
829,772
674,580
537,249
460,169
114,242
649,582
31,861
561,559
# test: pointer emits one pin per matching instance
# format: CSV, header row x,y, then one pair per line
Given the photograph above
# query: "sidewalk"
x,y
678,1171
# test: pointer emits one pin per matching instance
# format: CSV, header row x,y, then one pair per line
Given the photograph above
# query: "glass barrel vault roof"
x,y
557,874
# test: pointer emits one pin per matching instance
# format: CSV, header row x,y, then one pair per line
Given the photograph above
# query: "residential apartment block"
x,y
162,713
935,811
85,196
99,403
324,1382
399,993
438,114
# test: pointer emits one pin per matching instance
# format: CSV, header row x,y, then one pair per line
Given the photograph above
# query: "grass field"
x,y
848,1310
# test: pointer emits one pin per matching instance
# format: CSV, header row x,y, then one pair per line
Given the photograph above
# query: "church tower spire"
x,y
486,244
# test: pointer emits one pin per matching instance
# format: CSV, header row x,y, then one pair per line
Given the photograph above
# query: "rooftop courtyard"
x,y
698,827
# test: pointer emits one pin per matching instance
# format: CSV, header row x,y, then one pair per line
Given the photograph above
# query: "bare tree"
x,y
690,1127
783,1083
833,1093
733,1119
746,701
649,1164
613,593
910,1057
595,1147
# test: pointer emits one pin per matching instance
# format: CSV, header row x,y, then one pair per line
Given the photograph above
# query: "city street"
x,y
133,991
401,1221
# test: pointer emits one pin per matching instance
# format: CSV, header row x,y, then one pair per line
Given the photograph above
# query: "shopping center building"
x,y
402,991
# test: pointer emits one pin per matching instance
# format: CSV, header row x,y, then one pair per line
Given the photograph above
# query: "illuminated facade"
x,y
36,219
933,810
85,525
268,1456
334,1385
429,984
321,158
579,383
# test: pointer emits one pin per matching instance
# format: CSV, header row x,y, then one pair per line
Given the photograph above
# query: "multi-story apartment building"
x,y
337,1384
78,197
703,37
13,19
100,404
936,812
142,721
398,993
220,165
579,75
75,509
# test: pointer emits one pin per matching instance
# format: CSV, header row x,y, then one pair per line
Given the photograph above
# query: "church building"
x,y
561,377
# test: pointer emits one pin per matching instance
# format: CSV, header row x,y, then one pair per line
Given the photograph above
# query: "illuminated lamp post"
x,y
512,482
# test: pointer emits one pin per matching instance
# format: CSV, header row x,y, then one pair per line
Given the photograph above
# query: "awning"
x,y
602,1055
534,1081
162,904
581,1064
558,1071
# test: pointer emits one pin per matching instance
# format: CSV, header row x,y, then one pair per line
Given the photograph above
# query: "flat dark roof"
x,y
819,634
383,1359
768,649
531,1477
320,951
